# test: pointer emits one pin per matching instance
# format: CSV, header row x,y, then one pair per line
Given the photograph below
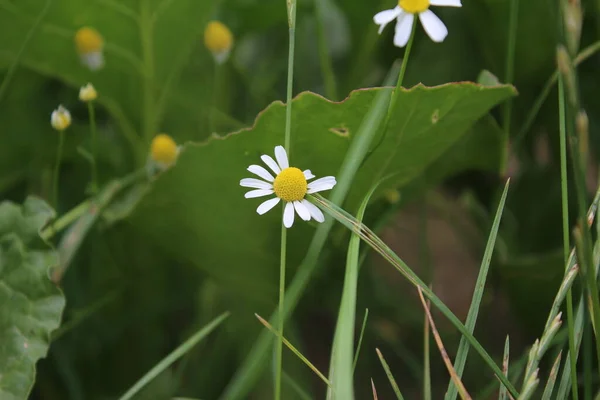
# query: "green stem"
x,y
566,231
146,27
404,62
55,176
291,8
510,68
92,113
324,53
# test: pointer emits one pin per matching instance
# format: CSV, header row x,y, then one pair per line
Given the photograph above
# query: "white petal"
x,y
445,3
288,215
403,29
255,183
267,205
281,157
260,171
434,26
385,17
328,181
314,211
271,163
308,174
302,211
258,193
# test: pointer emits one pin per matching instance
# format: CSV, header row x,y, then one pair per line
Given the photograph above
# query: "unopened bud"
x,y
573,21
565,67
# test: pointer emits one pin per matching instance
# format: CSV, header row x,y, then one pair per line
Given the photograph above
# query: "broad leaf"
x,y
197,210
31,305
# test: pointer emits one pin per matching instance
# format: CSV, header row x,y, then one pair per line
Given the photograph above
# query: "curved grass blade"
x,y
463,347
341,371
389,375
174,356
461,388
360,339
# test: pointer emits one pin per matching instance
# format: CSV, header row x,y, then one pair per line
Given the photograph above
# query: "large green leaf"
x,y
147,45
31,305
197,210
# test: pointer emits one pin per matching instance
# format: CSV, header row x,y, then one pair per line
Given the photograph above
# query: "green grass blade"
x,y
341,371
174,356
360,339
389,375
378,245
505,360
294,350
551,379
426,362
253,365
463,348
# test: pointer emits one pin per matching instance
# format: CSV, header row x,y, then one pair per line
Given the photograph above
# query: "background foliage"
x,y
166,257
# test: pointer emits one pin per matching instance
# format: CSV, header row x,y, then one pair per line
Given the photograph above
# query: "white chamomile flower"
x,y
404,14
289,184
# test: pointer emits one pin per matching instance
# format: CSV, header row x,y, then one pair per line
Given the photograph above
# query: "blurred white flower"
x,y
404,14
90,46
88,93
60,119
289,184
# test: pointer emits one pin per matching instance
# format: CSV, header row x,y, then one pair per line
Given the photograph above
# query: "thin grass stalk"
x,y
378,245
547,395
510,72
180,351
426,360
463,348
505,361
374,390
453,375
294,350
390,376
566,231
360,339
56,173
325,53
92,114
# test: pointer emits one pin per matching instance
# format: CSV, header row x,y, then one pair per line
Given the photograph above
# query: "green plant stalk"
x,y
389,375
252,367
360,339
378,245
587,361
94,133
510,72
547,395
566,232
325,54
56,174
146,35
180,351
505,361
539,102
404,62
340,371
426,362
463,348
291,8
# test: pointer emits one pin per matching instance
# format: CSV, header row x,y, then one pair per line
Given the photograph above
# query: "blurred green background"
x,y
155,267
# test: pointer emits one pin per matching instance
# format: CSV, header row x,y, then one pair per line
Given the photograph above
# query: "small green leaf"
x,y
31,305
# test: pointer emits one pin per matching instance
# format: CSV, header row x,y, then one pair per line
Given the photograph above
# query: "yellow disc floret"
x,y
290,185
88,40
414,6
217,37
163,149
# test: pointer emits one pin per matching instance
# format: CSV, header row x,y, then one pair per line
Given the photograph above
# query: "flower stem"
x,y
405,60
55,176
92,114
509,70
566,232
291,9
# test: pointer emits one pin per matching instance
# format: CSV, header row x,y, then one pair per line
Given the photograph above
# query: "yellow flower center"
x,y
290,185
414,6
163,149
88,40
217,37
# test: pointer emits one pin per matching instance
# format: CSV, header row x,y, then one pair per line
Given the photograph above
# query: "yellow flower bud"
x,y
164,150
90,46
219,40
88,93
60,119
